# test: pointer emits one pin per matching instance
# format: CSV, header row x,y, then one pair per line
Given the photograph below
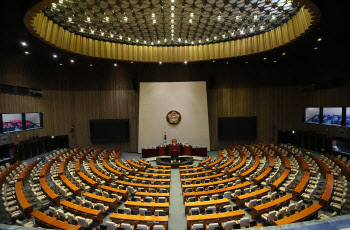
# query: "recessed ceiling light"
x,y
26,52
274,61
213,60
160,62
264,58
90,64
54,55
315,48
71,60
283,54
132,62
246,62
185,62
24,44
226,63
320,39
61,64
115,64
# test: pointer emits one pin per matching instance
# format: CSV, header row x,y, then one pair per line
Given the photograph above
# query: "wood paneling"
x,y
74,95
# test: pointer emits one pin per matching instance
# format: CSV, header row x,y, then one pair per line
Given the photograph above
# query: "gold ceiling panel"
x,y
170,30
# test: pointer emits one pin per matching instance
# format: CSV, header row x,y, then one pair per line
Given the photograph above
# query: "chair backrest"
x,y
125,226
82,221
142,226
244,222
212,226
229,224
197,226
227,195
228,207
127,210
142,211
193,210
272,216
158,227
212,208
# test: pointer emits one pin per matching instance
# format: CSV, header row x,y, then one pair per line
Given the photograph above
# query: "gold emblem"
x,y
173,117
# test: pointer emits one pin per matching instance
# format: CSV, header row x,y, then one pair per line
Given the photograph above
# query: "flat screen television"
x,y
108,130
237,127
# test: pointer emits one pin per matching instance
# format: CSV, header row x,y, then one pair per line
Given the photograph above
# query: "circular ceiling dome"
x,y
170,30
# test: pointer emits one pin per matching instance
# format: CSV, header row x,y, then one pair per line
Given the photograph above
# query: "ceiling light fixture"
x,y
72,61
26,52
320,39
115,64
24,44
54,55
185,62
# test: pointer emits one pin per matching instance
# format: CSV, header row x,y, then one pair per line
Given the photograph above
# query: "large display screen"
x,y
33,120
347,121
332,116
12,122
109,130
237,127
312,115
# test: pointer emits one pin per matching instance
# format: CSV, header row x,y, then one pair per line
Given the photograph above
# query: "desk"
x,y
301,185
154,174
184,187
88,180
49,191
139,167
138,219
149,179
327,190
161,170
299,216
199,151
130,170
240,165
98,173
137,185
52,222
280,180
204,161
176,147
185,170
22,198
272,205
149,206
262,176
111,202
215,162
146,163
149,153
70,185
109,168
229,162
157,194
323,166
195,173
123,193
345,169
216,191
214,218
251,169
252,195
203,178
23,176
83,211
204,204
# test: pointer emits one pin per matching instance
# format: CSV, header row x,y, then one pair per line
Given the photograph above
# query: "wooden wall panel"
x,y
73,96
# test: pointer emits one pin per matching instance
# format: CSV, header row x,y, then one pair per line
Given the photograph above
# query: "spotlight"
x,y
293,131
246,62
90,64
274,61
226,63
264,58
315,48
160,62
115,64
213,60
132,62
320,39
283,54
54,56
24,44
71,61
26,52
185,62
61,64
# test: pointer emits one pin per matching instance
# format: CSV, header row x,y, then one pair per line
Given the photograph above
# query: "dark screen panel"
x,y
237,127
109,129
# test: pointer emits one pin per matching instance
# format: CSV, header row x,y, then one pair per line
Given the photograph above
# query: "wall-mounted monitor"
x,y
237,127
347,120
108,130
33,120
312,115
12,122
332,116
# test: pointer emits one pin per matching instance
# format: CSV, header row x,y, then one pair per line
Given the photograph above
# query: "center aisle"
x,y
177,217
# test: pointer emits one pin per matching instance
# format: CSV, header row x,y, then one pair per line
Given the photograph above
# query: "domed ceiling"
x,y
170,30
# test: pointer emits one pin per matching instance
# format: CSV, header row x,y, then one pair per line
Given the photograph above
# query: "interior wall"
x,y
75,94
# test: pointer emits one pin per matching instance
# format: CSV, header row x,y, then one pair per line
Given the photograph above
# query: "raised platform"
x,y
174,162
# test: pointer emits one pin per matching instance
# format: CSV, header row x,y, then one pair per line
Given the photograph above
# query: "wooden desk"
x,y
49,191
52,222
109,168
216,191
148,179
130,170
327,190
301,185
147,164
23,176
250,170
252,195
77,166
229,162
123,193
184,187
139,185
156,174
240,165
62,167
88,180
285,162
157,194
138,219
323,166
149,206
139,167
203,178
204,161
76,190
204,204
302,163
159,170
190,169
262,176
163,166
186,166
83,211
111,202
195,173
215,162
280,180
345,169
214,218
272,205
98,173
22,198
299,216
46,168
